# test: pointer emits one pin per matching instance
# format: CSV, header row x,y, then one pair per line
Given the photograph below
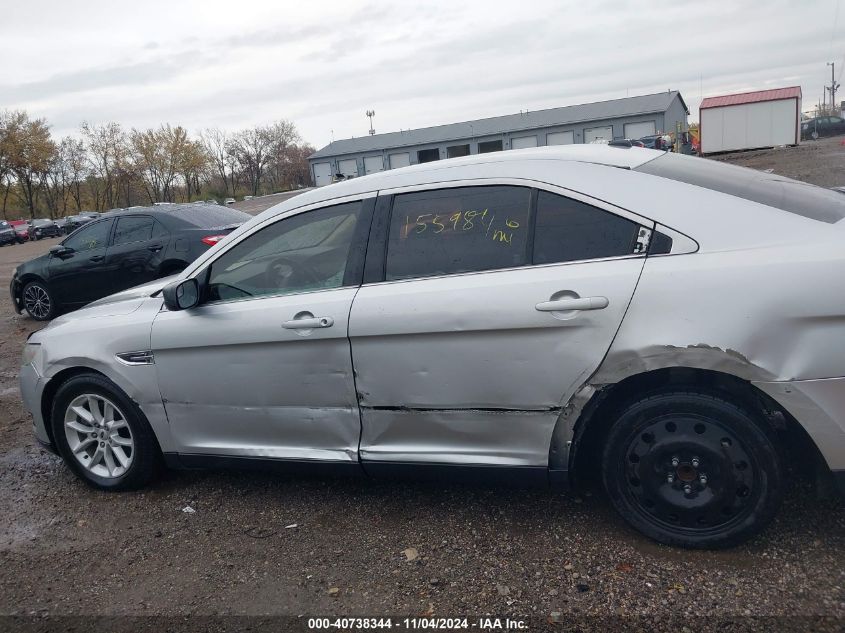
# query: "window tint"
x,y
159,230
569,230
305,252
776,191
94,235
133,229
457,230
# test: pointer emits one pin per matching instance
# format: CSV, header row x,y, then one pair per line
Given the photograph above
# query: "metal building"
x,y
751,120
632,117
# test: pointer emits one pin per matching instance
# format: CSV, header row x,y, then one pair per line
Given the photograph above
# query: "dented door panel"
x,y
234,381
465,368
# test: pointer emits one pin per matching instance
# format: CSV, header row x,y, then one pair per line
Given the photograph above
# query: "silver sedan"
x,y
660,321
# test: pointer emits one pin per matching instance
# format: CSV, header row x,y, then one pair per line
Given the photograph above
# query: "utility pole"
x,y
833,86
371,114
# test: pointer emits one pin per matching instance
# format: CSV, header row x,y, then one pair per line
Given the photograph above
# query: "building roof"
x,y
494,126
775,94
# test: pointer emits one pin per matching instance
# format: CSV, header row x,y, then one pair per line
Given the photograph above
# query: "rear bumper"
x,y
819,407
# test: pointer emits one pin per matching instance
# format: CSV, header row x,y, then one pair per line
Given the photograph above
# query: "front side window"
x,y
464,229
569,230
305,252
133,229
95,235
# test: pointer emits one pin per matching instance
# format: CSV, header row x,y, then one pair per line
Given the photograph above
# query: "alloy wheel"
x,y
99,436
690,474
37,301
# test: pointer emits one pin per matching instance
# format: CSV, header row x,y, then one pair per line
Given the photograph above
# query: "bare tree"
x,y
284,144
224,162
108,154
252,149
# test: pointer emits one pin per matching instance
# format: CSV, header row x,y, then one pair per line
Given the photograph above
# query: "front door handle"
x,y
581,303
97,259
309,323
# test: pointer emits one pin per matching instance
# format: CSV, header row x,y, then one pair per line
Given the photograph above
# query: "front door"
x,y
481,332
77,277
262,368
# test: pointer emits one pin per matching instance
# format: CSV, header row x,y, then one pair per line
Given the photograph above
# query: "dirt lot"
x,y
819,162
260,544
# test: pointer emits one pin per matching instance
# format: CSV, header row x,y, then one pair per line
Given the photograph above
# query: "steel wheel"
x,y
691,473
37,301
98,435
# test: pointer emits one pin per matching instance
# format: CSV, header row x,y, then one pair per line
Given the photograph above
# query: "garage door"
x,y
522,142
639,130
322,174
400,160
348,167
596,133
560,138
372,164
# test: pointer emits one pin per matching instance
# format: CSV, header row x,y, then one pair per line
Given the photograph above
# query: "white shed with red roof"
x,y
750,120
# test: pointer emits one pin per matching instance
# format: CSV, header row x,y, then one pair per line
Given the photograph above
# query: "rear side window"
x,y
569,230
457,230
133,229
776,191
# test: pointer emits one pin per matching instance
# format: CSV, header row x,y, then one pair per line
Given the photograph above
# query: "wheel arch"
x,y
172,266
52,387
600,406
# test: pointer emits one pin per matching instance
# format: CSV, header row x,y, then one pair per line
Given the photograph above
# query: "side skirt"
x,y
511,476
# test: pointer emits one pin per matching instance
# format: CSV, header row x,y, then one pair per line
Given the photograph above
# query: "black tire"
x,y
145,453
38,301
735,452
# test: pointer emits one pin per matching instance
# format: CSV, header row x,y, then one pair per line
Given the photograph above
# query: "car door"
x,y
262,367
77,277
477,328
136,251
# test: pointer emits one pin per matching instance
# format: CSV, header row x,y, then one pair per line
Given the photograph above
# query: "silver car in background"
x,y
658,320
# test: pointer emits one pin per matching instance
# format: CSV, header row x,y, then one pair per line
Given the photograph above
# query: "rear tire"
x,y
693,470
102,435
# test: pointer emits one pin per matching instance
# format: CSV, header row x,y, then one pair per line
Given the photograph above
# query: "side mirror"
x,y
181,295
61,251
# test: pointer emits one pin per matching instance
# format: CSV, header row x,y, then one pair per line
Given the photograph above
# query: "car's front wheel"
x,y
102,435
693,469
38,301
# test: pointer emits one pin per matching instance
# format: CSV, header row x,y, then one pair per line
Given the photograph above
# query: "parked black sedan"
x,y
822,126
40,228
116,252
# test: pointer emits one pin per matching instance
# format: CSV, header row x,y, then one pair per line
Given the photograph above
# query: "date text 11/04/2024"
x,y
460,221
418,624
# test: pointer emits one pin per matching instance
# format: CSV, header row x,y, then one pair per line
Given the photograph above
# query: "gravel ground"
x,y
260,544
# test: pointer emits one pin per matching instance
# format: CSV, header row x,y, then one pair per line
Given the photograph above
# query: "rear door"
x,y
79,277
477,329
136,252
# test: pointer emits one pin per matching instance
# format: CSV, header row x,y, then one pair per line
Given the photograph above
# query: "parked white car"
x,y
657,319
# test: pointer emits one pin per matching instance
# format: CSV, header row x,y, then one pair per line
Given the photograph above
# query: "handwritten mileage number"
x,y
462,221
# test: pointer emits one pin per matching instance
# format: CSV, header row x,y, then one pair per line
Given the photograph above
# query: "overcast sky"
x,y
323,64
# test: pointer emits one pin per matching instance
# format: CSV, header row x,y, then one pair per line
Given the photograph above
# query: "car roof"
x,y
605,155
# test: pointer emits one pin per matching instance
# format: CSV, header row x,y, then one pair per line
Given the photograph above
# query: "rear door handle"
x,y
581,303
155,248
97,259
308,324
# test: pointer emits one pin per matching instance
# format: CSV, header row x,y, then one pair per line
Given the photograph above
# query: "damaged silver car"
x,y
660,321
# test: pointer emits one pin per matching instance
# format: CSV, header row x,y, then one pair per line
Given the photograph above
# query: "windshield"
x,y
786,194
